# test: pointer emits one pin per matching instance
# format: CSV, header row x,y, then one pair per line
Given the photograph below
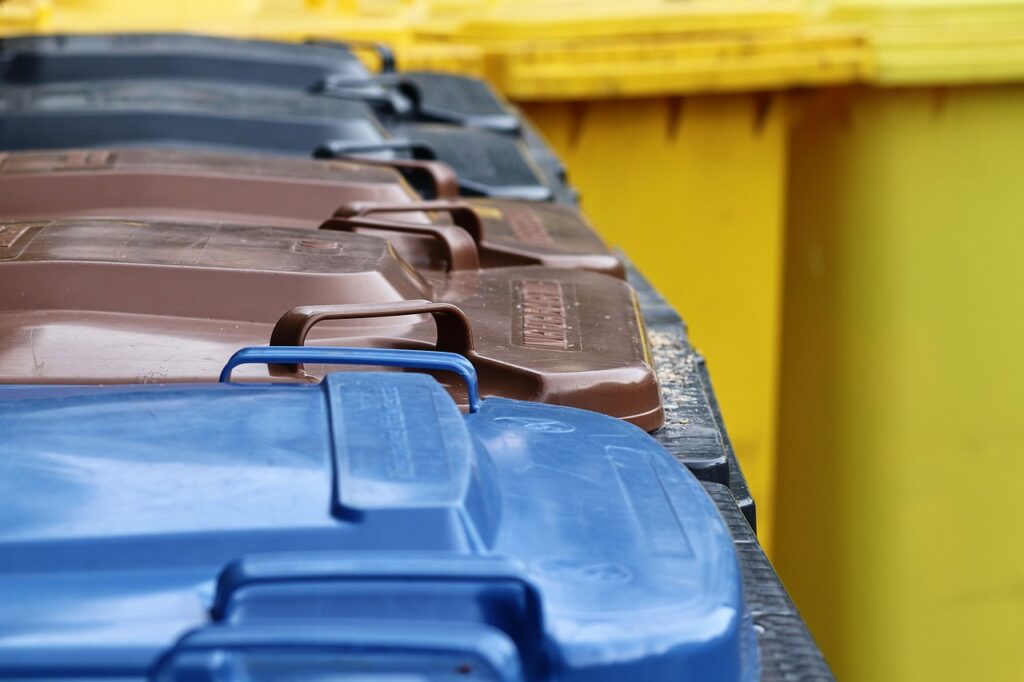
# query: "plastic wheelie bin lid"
x,y
37,59
208,186
165,183
487,163
318,66
458,99
423,96
361,528
256,119
177,114
170,302
176,184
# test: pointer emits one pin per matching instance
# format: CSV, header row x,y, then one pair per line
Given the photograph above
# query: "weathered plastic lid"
x,y
114,301
451,98
179,114
175,184
933,42
488,163
321,66
257,119
171,184
358,529
36,59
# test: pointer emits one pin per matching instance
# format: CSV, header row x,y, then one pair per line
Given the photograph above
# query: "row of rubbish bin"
x,y
200,238
798,176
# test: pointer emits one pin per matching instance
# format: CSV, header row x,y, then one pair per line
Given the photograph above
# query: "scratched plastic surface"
x,y
361,528
155,302
192,161
488,164
176,184
63,58
458,99
331,68
206,115
179,114
183,185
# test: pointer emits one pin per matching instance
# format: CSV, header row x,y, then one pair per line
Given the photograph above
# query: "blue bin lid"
x,y
360,528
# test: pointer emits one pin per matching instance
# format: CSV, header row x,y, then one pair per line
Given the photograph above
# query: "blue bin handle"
x,y
218,652
384,357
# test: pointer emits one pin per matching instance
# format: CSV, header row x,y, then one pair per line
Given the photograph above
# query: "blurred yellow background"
x,y
829,192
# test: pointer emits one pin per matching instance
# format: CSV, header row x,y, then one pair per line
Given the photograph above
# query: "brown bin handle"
x,y
441,176
461,251
454,331
463,214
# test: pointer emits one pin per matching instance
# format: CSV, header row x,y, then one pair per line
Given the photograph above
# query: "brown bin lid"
x,y
116,301
190,185
169,184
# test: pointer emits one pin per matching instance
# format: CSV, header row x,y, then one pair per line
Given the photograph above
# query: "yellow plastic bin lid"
x,y
646,66
568,49
381,20
936,41
531,49
571,49
504,20
294,20
24,15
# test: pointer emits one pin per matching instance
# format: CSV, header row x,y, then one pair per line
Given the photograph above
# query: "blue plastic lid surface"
x,y
361,528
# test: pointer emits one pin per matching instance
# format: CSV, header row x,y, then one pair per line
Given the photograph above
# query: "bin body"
x,y
901,403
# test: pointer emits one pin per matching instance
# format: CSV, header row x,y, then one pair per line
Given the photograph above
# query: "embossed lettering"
x,y
527,227
543,315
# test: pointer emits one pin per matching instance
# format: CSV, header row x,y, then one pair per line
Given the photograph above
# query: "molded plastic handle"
x,y
385,55
440,177
384,357
454,330
362,90
463,214
331,88
334,149
461,252
218,653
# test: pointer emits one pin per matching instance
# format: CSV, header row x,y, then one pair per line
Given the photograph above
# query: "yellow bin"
x,y
902,401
